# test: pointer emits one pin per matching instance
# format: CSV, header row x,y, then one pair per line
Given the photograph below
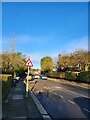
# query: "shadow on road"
x,y
84,104
61,109
53,106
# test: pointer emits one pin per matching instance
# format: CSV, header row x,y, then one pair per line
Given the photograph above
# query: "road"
x,y
61,100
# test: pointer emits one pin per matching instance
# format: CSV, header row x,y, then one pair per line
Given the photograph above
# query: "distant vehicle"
x,y
36,76
44,77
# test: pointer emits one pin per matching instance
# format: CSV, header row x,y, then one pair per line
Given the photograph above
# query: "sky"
x,y
45,28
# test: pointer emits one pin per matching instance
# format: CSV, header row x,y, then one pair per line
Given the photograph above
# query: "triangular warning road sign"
x,y
28,63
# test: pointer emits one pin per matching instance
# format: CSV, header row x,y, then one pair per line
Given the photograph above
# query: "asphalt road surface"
x,y
61,100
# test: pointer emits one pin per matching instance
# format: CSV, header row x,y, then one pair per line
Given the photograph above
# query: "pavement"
x,y
17,106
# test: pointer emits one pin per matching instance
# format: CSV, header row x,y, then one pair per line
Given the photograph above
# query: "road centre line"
x,y
71,92
55,93
77,93
86,109
60,96
71,101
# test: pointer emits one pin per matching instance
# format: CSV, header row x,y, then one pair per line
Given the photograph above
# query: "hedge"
x,y
55,74
61,75
6,84
72,76
84,77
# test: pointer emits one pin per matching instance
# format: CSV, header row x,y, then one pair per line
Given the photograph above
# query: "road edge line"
x,y
40,107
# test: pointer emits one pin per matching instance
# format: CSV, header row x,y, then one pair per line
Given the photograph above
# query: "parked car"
x,y
36,76
43,76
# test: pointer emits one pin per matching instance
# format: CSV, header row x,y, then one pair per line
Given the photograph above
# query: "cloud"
x,y
76,44
26,40
36,55
71,46
41,41
38,40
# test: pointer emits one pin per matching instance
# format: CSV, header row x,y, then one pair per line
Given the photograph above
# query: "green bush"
x,y
52,74
55,74
61,75
71,76
84,77
6,84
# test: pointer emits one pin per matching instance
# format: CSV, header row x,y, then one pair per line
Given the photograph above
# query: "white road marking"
x,y
40,107
46,87
86,110
46,117
77,93
71,101
57,87
55,94
60,96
